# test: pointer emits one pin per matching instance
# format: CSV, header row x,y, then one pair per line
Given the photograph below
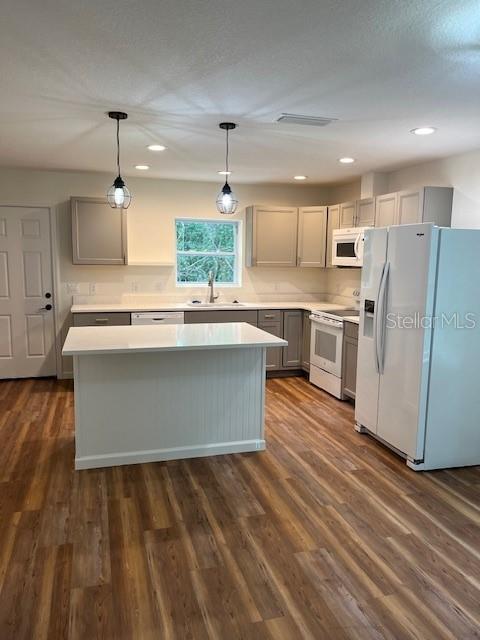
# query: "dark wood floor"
x,y
324,535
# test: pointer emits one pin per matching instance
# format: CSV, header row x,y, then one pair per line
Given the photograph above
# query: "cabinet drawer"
x,y
269,315
100,319
350,329
197,317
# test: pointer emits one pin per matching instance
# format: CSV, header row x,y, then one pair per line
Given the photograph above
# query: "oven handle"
x,y
328,323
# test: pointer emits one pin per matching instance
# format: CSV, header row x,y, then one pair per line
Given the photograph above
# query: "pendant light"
x,y
226,200
118,195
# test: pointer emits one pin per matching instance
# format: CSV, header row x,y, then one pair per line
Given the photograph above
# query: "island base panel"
x,y
146,407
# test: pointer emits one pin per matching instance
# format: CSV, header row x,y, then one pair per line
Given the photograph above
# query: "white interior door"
x,y
27,336
411,257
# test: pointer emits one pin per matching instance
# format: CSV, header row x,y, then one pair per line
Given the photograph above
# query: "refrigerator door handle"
x,y
382,307
375,323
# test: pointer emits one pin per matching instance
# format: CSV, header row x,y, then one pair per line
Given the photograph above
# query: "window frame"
x,y
237,253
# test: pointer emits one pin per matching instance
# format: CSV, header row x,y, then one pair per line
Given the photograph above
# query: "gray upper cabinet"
x,y
385,210
428,204
271,236
312,234
347,214
333,222
365,212
292,331
99,233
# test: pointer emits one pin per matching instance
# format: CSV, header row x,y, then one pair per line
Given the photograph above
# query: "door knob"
x,y
48,294
47,307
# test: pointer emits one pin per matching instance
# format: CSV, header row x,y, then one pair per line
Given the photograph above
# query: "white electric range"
x,y
326,349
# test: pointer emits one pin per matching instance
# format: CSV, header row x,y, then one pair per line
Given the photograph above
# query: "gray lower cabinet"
x,y
225,315
100,319
349,364
292,332
306,337
274,354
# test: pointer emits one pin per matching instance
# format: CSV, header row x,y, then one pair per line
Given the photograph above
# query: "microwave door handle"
x,y
355,248
382,307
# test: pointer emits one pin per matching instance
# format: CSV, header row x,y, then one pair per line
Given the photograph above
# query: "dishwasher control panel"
x,y
158,317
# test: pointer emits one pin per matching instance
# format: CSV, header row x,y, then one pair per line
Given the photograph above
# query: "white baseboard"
x,y
175,453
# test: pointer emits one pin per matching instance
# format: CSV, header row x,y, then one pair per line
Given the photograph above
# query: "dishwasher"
x,y
158,317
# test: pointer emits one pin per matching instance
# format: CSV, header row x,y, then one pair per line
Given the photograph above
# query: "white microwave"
x,y
347,247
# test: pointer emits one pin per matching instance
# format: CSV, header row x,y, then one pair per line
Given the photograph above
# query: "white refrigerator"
x,y
418,370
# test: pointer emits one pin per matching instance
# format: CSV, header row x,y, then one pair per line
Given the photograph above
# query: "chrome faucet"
x,y
211,280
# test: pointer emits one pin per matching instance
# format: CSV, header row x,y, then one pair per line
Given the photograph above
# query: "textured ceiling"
x,y
179,67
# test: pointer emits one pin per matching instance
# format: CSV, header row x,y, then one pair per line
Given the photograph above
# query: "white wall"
x,y
344,192
461,172
151,217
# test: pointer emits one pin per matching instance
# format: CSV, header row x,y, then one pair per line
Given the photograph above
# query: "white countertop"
x,y
354,319
175,337
130,307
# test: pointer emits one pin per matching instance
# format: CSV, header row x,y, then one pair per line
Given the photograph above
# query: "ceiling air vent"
x,y
313,121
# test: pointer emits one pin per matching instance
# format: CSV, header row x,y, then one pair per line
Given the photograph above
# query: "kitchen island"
x,y
149,393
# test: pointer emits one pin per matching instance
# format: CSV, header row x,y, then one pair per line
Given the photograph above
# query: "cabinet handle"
x,y
101,320
269,316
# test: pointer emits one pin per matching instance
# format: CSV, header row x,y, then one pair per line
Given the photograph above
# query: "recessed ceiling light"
x,y
156,147
346,160
224,173
299,177
142,167
423,131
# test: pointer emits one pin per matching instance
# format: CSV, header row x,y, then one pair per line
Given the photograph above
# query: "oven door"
x,y
326,345
347,249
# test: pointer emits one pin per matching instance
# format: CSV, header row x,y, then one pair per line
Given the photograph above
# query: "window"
x,y
204,246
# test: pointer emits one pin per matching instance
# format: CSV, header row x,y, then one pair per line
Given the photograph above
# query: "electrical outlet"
x,y
92,289
72,287
134,287
356,293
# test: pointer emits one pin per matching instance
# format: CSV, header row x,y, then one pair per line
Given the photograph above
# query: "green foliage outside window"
x,y
204,246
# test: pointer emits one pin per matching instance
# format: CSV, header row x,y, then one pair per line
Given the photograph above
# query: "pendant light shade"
x,y
118,195
226,200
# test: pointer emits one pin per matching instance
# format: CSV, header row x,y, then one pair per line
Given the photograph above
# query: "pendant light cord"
x,y
118,146
226,159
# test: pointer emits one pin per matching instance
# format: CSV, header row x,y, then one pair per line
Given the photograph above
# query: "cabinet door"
x,y
274,354
99,233
272,237
385,210
365,213
333,222
292,332
409,207
347,215
306,341
312,236
349,376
